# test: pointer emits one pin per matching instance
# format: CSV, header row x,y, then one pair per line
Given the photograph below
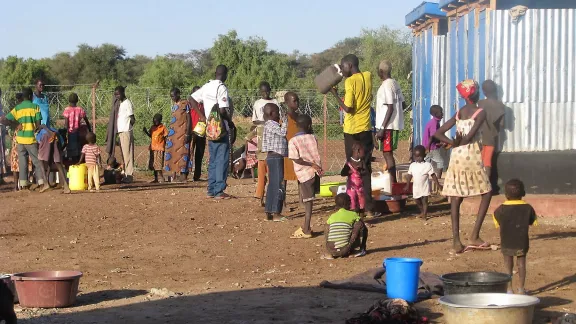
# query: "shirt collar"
x,y
514,202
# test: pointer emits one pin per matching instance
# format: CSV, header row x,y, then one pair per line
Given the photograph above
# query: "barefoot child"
x,y
251,152
421,171
157,133
91,154
514,217
73,115
275,145
355,171
346,231
303,151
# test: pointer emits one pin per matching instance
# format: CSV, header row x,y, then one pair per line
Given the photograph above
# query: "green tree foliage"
x,y
250,61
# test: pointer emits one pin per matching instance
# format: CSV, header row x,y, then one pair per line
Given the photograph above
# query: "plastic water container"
x,y
78,177
330,77
381,181
402,278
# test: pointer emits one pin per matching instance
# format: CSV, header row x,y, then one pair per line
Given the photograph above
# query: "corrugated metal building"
x,y
530,53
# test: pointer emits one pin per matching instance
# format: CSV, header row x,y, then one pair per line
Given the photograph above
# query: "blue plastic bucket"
x,y
402,278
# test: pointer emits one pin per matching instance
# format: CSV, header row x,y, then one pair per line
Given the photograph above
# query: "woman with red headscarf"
x,y
466,176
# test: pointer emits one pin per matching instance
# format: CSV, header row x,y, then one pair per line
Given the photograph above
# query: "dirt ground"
x,y
226,265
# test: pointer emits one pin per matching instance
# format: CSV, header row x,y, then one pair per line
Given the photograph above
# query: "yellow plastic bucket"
x,y
78,177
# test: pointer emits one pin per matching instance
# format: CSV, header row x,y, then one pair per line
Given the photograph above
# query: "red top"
x,y
194,115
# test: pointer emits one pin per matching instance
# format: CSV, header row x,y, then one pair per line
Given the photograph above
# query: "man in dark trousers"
x,y
357,124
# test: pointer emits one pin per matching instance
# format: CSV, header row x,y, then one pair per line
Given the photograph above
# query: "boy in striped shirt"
x,y
346,232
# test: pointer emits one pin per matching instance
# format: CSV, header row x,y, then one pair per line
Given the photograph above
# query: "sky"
x,y
158,27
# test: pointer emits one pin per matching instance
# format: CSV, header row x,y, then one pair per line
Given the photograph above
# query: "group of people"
x,y
282,145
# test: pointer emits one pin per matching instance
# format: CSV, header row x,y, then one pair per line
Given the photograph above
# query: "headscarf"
x,y
468,89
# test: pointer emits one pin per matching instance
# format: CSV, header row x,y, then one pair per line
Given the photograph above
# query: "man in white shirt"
x,y
212,93
258,108
389,114
125,123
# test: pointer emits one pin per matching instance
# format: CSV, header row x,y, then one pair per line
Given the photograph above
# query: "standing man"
x,y
198,142
491,128
125,125
28,115
389,115
357,126
215,94
41,100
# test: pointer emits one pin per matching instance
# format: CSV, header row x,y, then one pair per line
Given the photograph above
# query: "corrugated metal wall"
x,y
429,65
533,61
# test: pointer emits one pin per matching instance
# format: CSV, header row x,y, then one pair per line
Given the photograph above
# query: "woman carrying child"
x,y
466,176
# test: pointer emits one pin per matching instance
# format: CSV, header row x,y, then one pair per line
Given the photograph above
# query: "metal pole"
x,y
324,158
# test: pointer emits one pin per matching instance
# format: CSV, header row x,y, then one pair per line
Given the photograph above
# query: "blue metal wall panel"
x,y
482,48
471,53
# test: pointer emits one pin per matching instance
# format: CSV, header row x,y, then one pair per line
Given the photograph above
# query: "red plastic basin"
x,y
47,289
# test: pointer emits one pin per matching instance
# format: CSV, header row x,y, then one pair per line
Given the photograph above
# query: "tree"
x,y
167,73
17,71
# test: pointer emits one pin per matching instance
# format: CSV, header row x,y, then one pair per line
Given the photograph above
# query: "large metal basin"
x,y
488,308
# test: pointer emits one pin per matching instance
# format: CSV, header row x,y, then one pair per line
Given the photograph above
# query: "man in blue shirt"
x,y
41,100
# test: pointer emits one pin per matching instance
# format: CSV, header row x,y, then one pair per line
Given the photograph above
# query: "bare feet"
x,y
44,188
66,191
457,248
521,291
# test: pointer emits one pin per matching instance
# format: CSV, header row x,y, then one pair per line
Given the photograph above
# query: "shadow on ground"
x,y
261,306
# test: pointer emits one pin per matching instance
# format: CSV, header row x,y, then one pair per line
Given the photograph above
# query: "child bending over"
x,y
420,172
514,218
157,133
91,154
346,231
303,151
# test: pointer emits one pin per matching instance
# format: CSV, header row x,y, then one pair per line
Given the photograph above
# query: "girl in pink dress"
x,y
354,187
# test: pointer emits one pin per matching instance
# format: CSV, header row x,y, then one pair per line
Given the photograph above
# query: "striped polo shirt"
x,y
340,227
26,114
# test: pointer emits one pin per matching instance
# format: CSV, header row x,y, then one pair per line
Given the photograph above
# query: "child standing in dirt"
x,y
421,171
303,151
275,145
355,171
514,218
91,154
437,153
346,231
157,133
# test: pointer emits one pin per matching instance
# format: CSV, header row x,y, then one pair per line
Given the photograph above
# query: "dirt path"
x,y
227,265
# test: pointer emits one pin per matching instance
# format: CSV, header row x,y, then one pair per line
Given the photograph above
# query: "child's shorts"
x,y
437,158
156,161
308,189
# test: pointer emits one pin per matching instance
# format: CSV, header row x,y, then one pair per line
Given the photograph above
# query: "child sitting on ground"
x,y
91,154
113,174
420,172
514,217
354,170
303,151
346,231
157,133
239,162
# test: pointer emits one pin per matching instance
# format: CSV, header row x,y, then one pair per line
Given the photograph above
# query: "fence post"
x,y
325,158
94,86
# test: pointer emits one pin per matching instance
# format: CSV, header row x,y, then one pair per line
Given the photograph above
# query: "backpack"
x,y
215,128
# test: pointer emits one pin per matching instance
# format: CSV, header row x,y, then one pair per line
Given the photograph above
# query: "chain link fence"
x,y
148,102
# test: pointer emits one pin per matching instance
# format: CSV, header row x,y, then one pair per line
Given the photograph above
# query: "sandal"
x,y
299,234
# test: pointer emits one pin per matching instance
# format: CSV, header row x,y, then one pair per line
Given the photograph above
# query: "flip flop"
x,y
279,220
299,234
483,247
359,254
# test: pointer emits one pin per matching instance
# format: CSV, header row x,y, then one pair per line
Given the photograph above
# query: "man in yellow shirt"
x,y
357,124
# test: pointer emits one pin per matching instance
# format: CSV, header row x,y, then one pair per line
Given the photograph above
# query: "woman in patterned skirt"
x,y
466,176
177,158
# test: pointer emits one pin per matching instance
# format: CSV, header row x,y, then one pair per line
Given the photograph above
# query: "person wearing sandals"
x,y
466,176
274,143
347,234
514,218
303,151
